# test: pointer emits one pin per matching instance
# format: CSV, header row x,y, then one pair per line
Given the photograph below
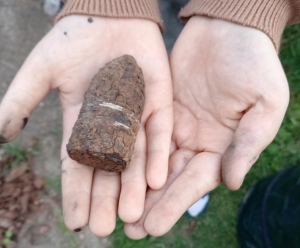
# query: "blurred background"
x,y
30,200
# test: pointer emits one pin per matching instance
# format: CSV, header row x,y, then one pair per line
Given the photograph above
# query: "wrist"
x,y
220,35
268,16
95,26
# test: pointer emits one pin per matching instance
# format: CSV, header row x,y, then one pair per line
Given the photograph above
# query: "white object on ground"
x,y
51,7
198,206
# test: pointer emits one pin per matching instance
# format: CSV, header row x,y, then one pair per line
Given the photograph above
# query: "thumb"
x,y
256,130
28,88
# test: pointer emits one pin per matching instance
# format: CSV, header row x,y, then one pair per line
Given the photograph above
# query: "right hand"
x,y
67,58
230,96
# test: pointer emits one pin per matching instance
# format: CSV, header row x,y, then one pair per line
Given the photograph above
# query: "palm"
x,y
199,128
67,59
230,96
234,84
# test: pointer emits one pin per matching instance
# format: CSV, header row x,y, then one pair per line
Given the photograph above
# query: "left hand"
x,y
230,96
67,59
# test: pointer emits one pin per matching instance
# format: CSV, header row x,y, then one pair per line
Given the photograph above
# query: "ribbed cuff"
x,y
269,16
145,9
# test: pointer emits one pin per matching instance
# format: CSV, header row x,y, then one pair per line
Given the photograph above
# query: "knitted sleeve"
x,y
269,16
145,9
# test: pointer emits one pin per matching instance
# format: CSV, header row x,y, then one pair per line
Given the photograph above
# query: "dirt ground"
x,y
22,25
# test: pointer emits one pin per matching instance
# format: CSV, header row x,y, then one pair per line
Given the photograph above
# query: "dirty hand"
x,y
230,96
67,58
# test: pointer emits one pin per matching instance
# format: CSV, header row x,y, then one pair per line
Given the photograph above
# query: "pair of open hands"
x,y
209,112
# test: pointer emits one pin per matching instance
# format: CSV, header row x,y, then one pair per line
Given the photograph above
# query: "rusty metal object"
x,y
105,132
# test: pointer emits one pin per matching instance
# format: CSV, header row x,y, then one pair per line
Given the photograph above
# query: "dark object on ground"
x,y
169,11
270,215
105,132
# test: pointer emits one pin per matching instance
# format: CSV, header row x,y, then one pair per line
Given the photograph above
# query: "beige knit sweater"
x,y
269,16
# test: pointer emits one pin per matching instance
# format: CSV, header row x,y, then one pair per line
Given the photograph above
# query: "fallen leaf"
x,y
5,223
39,182
10,215
24,202
8,190
44,229
17,172
16,192
190,227
27,189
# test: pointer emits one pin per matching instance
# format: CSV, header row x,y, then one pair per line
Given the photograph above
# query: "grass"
x,y
54,183
56,131
18,153
217,226
7,237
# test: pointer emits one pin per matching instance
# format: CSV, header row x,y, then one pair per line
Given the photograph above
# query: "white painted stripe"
x,y
111,105
120,124
133,117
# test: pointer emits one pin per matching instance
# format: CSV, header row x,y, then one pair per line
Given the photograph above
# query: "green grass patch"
x,y
217,226
7,237
56,131
18,153
54,183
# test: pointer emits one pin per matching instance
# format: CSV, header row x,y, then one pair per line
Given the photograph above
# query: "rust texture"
x,y
105,132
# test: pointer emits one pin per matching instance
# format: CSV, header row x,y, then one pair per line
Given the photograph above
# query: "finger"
x,y
173,148
159,130
105,196
133,190
76,193
201,175
76,180
255,132
28,88
177,162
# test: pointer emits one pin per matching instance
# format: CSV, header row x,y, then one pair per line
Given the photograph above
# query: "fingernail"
x,y
79,229
25,120
2,140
